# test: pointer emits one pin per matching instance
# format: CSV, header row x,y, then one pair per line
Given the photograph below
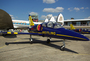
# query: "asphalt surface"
x,y
20,49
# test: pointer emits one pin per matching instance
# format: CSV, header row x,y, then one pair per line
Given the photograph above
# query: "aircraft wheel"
x,y
62,48
6,43
31,42
48,40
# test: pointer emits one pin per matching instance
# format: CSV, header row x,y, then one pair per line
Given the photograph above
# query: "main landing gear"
x,y
48,40
62,48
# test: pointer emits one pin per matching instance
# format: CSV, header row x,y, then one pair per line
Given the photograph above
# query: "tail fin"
x,y
31,21
60,19
72,27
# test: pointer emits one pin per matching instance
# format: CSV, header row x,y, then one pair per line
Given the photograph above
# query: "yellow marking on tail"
x,y
72,27
31,21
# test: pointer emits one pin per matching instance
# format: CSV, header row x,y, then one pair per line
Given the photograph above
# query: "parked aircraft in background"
x,y
80,30
22,23
46,20
51,30
60,19
52,19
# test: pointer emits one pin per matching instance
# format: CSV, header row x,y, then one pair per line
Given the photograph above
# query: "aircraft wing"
x,y
20,33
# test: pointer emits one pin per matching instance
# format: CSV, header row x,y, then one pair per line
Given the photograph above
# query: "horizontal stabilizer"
x,y
16,33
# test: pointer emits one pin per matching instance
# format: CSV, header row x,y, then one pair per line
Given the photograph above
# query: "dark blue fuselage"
x,y
61,33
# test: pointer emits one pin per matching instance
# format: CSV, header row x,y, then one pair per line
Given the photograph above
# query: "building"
x,y
77,22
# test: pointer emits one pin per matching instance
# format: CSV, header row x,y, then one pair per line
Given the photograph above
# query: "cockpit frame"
x,y
51,25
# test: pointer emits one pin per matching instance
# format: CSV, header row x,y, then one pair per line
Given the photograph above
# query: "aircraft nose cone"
x,y
69,34
85,38
79,36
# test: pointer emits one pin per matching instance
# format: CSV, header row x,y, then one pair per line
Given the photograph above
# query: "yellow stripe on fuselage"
x,y
70,36
54,33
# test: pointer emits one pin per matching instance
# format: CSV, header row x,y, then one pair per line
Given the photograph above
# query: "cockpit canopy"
x,y
51,25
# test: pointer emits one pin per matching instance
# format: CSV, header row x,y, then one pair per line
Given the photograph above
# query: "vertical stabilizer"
x,y
46,20
52,19
72,27
60,19
31,21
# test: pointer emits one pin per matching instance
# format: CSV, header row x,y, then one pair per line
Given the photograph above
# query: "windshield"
x,y
51,25
44,24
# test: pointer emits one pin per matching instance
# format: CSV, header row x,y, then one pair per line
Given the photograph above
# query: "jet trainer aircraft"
x,y
51,30
82,31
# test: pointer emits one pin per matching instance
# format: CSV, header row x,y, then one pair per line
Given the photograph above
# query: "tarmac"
x,y
20,49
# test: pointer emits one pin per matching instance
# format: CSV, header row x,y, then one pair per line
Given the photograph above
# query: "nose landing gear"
x,y
62,48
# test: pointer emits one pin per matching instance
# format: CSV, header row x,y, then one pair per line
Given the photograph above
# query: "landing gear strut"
x,y
62,48
31,40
